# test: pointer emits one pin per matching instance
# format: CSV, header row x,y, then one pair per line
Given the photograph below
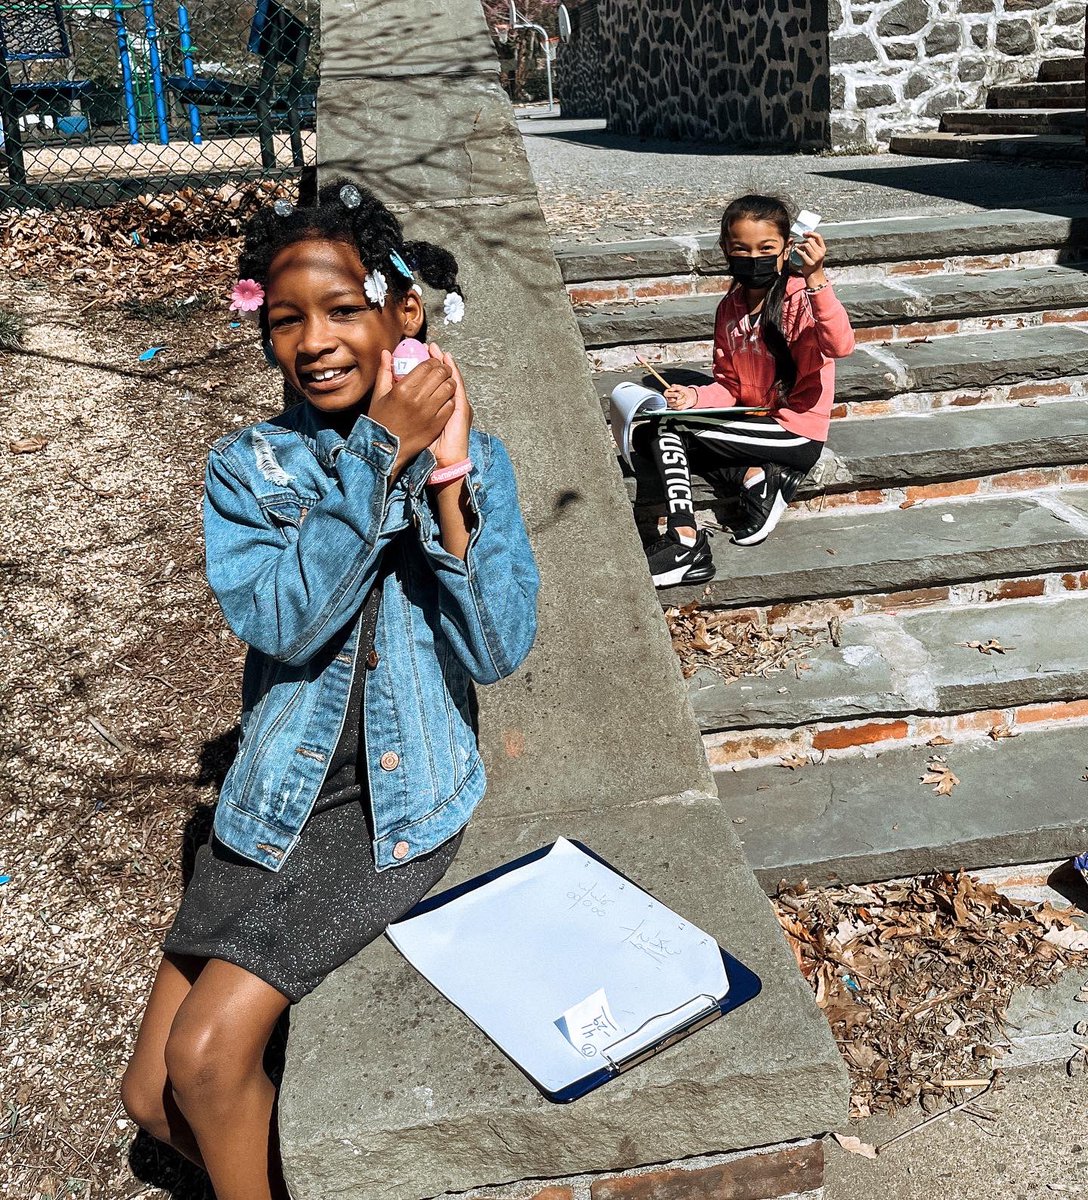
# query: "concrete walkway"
x,y
1036,1145
598,186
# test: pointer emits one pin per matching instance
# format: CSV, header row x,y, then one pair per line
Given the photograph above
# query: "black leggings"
x,y
677,443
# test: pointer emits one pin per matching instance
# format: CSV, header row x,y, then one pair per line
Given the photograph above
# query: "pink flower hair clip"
x,y
246,297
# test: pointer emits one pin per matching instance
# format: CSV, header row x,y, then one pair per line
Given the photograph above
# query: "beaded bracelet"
x,y
449,474
813,291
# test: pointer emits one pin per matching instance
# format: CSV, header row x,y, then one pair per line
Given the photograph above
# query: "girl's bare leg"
x,y
214,1062
145,1090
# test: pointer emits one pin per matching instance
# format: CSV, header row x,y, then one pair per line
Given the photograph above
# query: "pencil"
x,y
660,378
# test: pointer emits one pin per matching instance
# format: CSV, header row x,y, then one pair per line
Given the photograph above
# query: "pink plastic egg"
x,y
408,355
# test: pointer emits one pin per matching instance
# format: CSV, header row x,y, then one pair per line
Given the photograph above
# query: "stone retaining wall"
x,y
897,65
753,72
579,79
802,74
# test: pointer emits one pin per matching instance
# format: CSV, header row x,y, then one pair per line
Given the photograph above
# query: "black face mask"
x,y
754,272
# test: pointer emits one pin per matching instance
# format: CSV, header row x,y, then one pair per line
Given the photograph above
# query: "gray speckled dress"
x,y
293,927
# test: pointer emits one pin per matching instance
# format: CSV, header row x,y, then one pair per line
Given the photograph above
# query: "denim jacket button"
x,y
400,850
372,659
389,761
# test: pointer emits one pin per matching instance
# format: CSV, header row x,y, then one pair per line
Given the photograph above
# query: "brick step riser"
x,y
825,498
620,357
606,293
815,615
823,742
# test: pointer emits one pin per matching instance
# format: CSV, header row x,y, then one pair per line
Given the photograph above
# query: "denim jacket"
x,y
299,524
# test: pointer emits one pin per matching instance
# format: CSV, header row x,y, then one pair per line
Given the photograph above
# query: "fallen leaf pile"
x,y
154,246
915,976
734,649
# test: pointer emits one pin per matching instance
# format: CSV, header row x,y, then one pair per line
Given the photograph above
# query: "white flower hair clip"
x,y
454,308
376,288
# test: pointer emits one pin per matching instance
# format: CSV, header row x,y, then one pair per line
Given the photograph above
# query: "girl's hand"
x,y
812,251
681,396
414,409
451,445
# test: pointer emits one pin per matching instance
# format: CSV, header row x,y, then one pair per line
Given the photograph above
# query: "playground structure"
x,y
99,99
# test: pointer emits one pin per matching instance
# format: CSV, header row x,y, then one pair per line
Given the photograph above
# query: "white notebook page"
x,y
559,960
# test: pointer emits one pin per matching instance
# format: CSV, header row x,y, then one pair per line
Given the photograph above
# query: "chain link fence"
x,y
104,101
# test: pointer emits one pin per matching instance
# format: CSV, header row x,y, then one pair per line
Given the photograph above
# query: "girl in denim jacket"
x,y
368,546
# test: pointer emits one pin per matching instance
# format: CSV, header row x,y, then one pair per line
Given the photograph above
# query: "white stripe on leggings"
x,y
714,435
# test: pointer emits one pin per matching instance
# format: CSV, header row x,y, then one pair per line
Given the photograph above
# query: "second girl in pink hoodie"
x,y
776,337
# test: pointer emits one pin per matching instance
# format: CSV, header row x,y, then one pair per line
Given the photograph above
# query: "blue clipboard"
x,y
439,962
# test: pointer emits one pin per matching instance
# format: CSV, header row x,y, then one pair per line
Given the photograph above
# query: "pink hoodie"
x,y
817,330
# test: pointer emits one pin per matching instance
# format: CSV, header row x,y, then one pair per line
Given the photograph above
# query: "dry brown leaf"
x,y
993,646
1067,938
939,774
853,1145
1003,731
939,740
794,761
28,445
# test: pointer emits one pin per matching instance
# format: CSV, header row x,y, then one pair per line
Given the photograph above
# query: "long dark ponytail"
x,y
769,208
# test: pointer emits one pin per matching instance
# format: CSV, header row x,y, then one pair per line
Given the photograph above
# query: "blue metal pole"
x,y
125,59
190,73
156,72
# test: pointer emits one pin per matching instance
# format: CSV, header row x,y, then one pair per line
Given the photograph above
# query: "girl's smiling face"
x,y
756,239
326,335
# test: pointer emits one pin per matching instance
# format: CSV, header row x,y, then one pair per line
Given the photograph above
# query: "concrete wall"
x,y
803,74
897,65
751,72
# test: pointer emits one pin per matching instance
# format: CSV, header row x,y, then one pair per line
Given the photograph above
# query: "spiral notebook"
x,y
571,969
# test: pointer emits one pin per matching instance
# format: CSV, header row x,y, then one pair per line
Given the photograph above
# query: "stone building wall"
x,y
897,65
579,77
802,74
750,72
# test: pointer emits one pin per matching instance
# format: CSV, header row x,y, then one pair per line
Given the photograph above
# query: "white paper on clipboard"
x,y
525,955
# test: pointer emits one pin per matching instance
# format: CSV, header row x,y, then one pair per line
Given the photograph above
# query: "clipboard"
x,y
575,972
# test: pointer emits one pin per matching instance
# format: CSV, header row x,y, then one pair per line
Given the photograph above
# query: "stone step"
x,y
924,298
917,450
403,1075
847,553
1032,146
861,819
963,360
1049,94
1064,70
855,243
1014,120
894,664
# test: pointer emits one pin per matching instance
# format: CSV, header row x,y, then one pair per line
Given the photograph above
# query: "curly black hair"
x,y
368,226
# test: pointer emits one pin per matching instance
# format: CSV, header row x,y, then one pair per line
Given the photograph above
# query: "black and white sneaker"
x,y
791,483
671,562
762,505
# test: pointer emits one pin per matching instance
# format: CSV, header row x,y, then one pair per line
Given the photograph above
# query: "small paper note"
x,y
589,1026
